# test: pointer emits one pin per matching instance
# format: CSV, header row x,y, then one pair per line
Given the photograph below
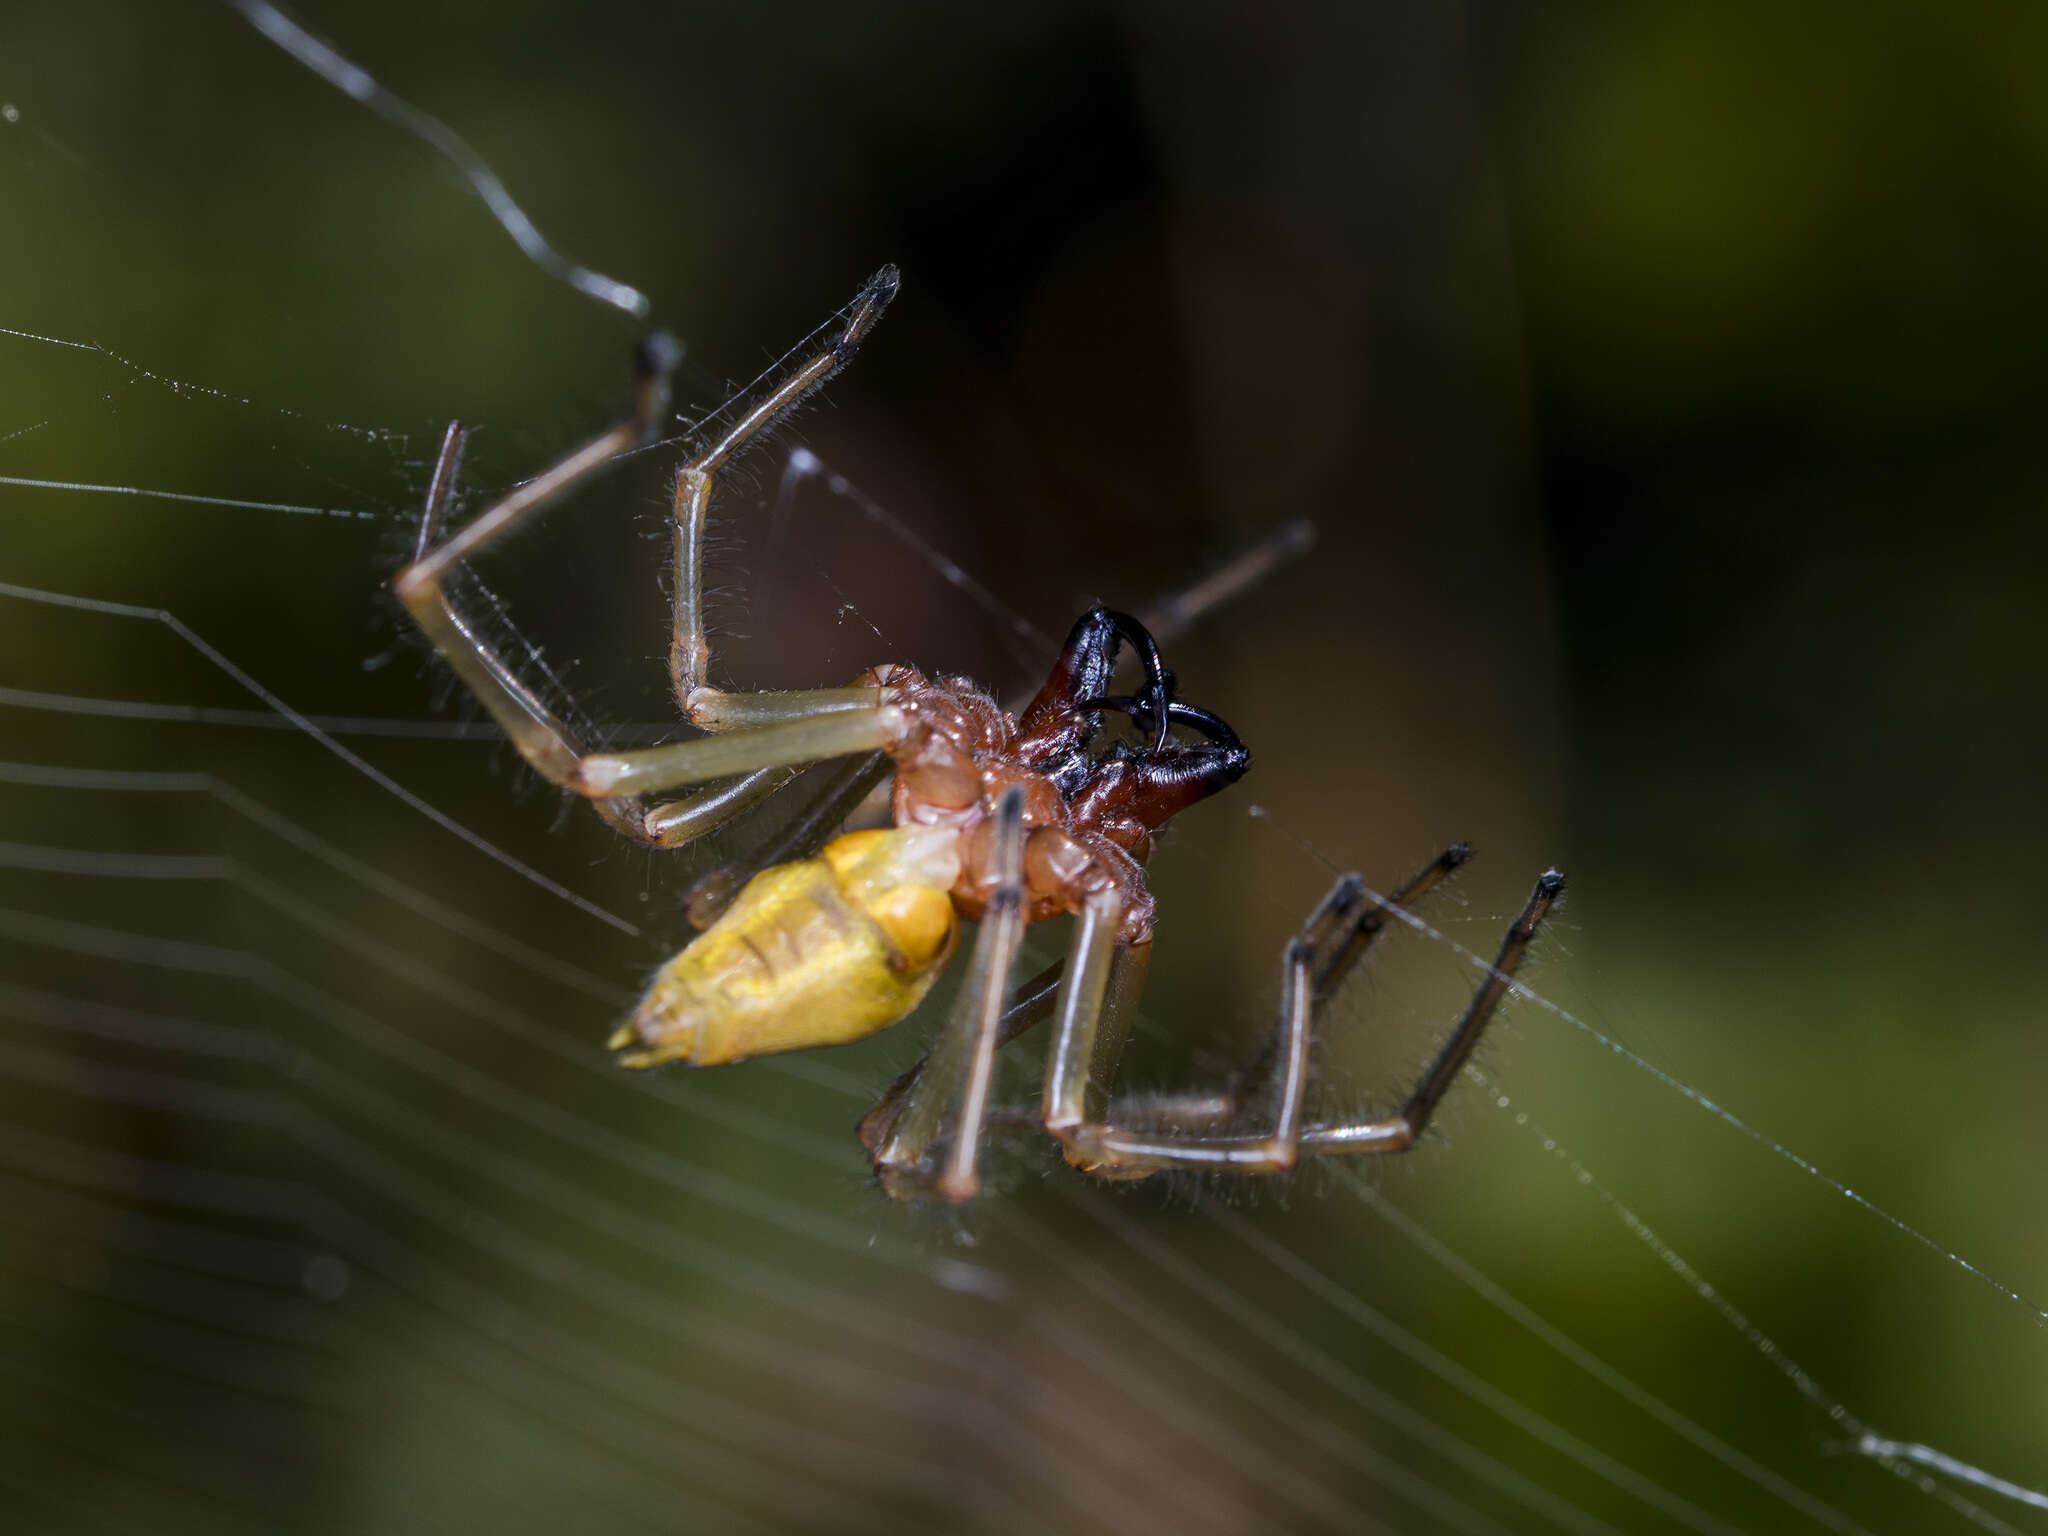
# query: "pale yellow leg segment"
x,y
960,1072
983,995
790,742
1071,1068
681,821
716,711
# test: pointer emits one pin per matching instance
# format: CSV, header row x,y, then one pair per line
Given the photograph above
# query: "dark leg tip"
x,y
868,305
1297,537
1550,882
1456,855
657,355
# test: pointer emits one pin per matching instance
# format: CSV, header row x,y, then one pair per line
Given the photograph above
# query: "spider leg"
x,y
1094,1140
541,737
1395,1132
961,1069
1031,1003
1097,998
1172,614
833,732
1107,1144
785,730
689,647
1361,921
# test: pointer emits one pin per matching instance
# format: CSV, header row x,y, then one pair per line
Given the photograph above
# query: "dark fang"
x,y
1159,681
1177,714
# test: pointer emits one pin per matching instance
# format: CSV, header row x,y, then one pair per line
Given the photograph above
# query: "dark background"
x,y
1664,383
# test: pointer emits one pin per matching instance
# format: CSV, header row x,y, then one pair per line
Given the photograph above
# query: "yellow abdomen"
x,y
820,952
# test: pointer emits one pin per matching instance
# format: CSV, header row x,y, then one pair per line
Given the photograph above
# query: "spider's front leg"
x,y
689,646
1142,1136
774,734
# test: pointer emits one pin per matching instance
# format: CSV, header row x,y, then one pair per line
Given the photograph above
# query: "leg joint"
x,y
415,584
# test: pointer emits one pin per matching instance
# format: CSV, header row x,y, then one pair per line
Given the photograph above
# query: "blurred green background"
x,y
1664,382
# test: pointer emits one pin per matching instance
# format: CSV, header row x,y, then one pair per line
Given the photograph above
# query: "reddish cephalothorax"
x,y
1089,816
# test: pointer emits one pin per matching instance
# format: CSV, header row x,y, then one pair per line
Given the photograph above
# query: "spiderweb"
x,y
323,1205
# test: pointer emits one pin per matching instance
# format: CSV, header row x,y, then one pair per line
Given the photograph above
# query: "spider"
x,y
1001,819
